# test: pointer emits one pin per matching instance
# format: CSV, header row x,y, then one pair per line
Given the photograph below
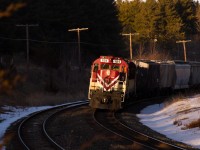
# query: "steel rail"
x,y
20,127
45,123
147,136
118,134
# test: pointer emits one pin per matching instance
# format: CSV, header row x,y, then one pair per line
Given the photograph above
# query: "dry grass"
x,y
156,55
174,99
193,124
177,122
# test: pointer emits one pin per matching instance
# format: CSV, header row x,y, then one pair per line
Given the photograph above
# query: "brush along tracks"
x,y
32,130
111,122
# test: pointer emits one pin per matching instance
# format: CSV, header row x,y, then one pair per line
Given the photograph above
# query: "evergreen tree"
x,y
128,10
198,18
145,20
168,23
145,24
187,11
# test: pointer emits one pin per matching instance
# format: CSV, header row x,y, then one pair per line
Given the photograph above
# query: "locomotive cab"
x,y
108,82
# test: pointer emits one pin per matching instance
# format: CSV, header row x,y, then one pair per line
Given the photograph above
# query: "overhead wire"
x,y
53,42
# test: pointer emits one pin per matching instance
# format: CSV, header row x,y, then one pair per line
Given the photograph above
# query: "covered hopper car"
x,y
115,80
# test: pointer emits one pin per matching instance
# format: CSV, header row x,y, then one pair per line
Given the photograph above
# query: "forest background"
x,y
53,70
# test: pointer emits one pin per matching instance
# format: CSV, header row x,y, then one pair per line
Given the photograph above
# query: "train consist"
x,y
115,80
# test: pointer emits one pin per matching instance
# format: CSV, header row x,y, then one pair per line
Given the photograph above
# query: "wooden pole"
x,y
130,42
79,51
27,39
184,48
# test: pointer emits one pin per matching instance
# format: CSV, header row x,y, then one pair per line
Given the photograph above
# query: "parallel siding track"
x,y
109,121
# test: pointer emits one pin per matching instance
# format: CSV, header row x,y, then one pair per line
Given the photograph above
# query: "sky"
x,y
161,118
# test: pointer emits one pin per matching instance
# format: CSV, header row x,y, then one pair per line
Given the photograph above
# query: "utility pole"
x,y
78,32
27,39
184,48
130,42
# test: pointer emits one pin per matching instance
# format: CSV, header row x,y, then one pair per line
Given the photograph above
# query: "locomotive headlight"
x,y
104,100
122,94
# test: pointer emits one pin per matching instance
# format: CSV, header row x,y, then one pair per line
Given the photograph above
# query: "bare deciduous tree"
x,y
11,8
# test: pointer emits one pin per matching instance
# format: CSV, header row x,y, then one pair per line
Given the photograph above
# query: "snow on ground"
x,y
13,114
171,120
158,117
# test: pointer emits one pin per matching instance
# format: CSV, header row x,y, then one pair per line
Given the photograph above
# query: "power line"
x,y
56,42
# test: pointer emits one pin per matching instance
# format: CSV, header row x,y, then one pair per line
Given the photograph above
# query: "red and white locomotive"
x,y
109,82
114,80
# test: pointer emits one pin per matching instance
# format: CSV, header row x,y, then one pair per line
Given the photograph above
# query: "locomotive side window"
x,y
115,67
105,66
122,74
123,69
96,67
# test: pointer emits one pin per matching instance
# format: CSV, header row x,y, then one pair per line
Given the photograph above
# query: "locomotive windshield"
x,y
105,66
115,67
112,67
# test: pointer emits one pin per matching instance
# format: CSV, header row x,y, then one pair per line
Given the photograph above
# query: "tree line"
x,y
160,21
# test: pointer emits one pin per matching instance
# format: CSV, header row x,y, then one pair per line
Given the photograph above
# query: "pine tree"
x,y
145,20
198,18
187,11
168,23
128,10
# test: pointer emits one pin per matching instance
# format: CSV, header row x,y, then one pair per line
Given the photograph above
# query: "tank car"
x,y
111,82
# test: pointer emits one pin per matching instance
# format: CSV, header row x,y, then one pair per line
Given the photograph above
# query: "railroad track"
x,y
32,131
110,122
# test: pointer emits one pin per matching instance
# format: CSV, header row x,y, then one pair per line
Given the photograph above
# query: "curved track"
x,y
32,130
109,121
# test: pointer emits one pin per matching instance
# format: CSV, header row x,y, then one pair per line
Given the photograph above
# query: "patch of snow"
x,y
163,118
15,113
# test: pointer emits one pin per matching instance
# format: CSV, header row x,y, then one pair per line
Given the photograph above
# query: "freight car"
x,y
115,80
